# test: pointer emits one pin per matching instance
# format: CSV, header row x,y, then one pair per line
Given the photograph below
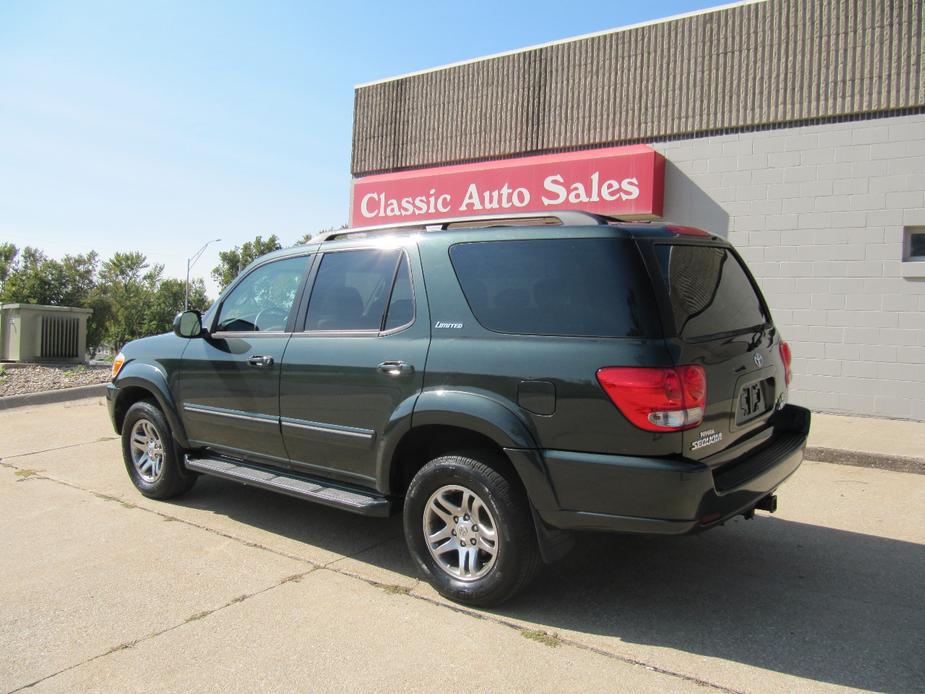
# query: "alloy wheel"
x,y
147,451
460,533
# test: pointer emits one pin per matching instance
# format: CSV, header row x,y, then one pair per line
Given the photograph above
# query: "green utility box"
x,y
34,333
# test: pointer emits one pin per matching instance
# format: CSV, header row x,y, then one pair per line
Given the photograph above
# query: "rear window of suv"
x,y
709,291
568,287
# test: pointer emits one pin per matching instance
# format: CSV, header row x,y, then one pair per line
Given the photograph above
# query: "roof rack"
x,y
563,218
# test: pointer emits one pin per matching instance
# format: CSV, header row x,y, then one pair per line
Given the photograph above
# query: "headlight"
x,y
117,364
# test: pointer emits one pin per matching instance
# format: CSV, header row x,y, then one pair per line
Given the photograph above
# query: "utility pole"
x,y
189,263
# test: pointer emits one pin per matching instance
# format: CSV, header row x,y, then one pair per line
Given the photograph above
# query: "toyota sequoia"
x,y
500,381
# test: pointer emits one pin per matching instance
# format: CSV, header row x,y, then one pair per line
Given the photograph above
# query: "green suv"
x,y
500,381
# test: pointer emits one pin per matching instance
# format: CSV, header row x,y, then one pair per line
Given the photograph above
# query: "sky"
x,y
157,126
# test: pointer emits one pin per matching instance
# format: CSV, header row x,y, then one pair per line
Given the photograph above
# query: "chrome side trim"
x,y
256,334
367,434
232,414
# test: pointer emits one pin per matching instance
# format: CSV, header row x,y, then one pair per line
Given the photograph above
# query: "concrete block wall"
x,y
818,212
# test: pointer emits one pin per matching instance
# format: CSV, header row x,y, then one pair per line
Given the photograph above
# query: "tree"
x,y
129,297
29,278
32,278
8,253
125,268
138,301
79,275
98,323
232,262
128,285
167,301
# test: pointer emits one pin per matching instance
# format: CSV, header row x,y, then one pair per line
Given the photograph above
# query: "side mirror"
x,y
188,324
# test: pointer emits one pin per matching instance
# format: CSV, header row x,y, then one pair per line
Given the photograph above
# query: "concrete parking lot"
x,y
235,589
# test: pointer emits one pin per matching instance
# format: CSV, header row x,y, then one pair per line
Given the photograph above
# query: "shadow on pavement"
x,y
809,601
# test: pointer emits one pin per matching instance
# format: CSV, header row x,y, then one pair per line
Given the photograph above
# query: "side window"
x,y
569,287
401,305
261,302
352,289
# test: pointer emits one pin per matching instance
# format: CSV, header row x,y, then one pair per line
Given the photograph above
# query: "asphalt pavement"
x,y
236,589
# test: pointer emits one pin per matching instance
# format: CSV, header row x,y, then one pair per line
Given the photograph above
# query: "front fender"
x,y
136,374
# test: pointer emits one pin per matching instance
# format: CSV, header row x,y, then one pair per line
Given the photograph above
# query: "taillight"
x,y
657,399
786,357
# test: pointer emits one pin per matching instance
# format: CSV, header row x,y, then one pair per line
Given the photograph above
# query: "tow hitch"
x,y
768,503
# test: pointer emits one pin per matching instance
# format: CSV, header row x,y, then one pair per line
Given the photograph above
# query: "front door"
x,y
352,375
229,381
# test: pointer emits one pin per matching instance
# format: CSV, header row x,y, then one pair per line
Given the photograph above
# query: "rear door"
x,y
721,322
351,374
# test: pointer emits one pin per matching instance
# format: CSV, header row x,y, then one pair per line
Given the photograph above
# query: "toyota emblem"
x,y
758,360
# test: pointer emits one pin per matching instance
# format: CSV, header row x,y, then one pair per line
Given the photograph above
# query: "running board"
x,y
301,488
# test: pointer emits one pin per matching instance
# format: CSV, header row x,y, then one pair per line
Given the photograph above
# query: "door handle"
x,y
261,361
396,368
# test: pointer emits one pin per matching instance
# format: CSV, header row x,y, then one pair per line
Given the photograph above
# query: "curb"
x,y
97,390
881,461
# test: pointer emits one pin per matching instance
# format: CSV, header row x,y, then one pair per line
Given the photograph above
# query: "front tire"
x,y
469,530
152,458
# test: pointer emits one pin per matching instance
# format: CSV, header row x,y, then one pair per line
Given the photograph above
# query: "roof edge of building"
x,y
603,32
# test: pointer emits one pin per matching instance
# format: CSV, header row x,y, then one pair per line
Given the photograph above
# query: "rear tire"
x,y
470,531
152,458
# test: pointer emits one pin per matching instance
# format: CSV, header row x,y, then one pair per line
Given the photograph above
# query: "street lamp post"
x,y
189,263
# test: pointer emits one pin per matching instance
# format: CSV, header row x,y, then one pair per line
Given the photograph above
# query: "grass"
x,y
393,589
551,640
122,647
79,369
198,616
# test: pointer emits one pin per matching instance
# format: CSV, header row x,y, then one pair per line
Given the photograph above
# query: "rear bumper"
x,y
655,495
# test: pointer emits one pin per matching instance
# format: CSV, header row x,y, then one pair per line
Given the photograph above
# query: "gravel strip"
x,y
36,379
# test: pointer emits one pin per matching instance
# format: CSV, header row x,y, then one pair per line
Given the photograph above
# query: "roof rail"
x,y
562,218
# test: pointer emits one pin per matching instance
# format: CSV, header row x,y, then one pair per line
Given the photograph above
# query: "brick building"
x,y
795,128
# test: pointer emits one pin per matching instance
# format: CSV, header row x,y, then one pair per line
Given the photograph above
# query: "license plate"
x,y
752,401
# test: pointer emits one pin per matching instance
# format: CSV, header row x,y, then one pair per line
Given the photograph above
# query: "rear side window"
x,y
570,287
709,291
353,288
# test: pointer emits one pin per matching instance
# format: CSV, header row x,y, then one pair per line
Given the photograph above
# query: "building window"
x,y
913,264
916,236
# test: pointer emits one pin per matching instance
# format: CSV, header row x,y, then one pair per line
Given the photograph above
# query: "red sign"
x,y
627,182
